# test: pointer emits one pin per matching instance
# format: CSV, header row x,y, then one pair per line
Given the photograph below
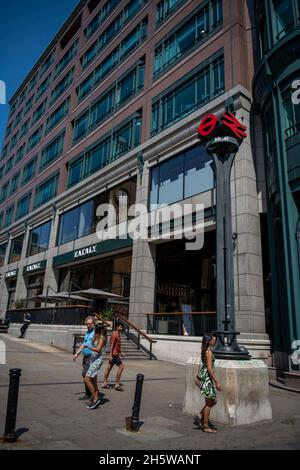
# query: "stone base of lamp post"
x,y
244,398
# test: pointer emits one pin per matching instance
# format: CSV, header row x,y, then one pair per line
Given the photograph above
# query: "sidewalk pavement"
x,y
49,409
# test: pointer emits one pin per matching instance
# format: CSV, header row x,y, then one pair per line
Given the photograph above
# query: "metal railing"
x,y
181,324
136,336
67,315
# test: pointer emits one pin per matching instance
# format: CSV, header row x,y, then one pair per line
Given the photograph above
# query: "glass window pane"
x,y
85,222
68,226
171,181
154,188
185,99
75,172
186,37
199,175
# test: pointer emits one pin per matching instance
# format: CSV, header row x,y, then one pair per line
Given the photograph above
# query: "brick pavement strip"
x,y
54,418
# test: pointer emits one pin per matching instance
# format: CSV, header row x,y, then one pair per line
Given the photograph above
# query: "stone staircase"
x,y
129,348
286,380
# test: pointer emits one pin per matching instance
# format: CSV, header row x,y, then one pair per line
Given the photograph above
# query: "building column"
x,y
21,288
50,280
248,275
142,286
3,286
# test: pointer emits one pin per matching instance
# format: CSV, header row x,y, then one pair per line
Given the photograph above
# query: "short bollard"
x,y
12,403
132,422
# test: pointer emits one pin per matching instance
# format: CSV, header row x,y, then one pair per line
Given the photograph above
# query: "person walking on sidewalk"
x,y
87,353
114,358
98,343
26,323
208,384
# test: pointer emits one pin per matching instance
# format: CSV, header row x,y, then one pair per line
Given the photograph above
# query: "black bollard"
x,y
12,403
133,423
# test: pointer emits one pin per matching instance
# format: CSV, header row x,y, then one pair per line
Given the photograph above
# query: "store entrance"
x,y
186,279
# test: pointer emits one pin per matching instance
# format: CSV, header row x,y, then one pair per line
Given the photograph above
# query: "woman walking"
x,y
98,344
208,384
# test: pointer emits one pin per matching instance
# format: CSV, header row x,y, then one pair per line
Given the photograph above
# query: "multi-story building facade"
x,y
112,109
278,69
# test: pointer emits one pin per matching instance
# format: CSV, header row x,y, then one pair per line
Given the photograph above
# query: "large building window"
x,y
15,183
28,105
16,249
58,115
183,176
47,63
193,91
43,87
284,19
76,223
4,192
24,128
39,112
9,214
35,286
13,141
62,86
111,31
9,165
39,238
53,150
116,96
46,191
166,8
23,206
20,153
66,59
82,220
2,254
128,136
29,170
119,141
103,14
291,114
131,41
195,30
35,138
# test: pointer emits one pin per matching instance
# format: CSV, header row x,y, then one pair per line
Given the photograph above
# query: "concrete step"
x,y
130,350
292,380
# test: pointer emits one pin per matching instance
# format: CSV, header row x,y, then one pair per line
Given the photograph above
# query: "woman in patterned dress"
x,y
208,384
98,343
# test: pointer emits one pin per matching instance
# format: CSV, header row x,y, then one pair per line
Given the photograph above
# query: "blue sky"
x,y
27,27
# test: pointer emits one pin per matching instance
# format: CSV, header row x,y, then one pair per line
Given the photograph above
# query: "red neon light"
x,y
207,125
229,120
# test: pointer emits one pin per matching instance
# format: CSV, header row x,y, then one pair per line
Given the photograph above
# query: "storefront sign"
x,y
92,250
11,274
83,252
39,266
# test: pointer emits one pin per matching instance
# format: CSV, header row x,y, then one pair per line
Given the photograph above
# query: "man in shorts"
x,y
87,353
114,358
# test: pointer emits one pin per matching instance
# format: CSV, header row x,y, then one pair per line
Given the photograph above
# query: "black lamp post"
x,y
222,143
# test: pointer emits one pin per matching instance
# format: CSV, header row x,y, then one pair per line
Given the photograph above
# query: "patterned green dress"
x,y
208,389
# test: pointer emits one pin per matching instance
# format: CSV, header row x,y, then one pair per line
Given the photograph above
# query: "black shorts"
x,y
86,364
116,361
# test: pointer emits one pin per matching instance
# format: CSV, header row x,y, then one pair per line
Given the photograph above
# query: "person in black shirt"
x,y
27,321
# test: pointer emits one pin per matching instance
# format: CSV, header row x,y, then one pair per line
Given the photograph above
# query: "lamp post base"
x,y
229,349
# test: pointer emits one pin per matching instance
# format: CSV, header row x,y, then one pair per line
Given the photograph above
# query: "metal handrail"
x,y
167,314
139,332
